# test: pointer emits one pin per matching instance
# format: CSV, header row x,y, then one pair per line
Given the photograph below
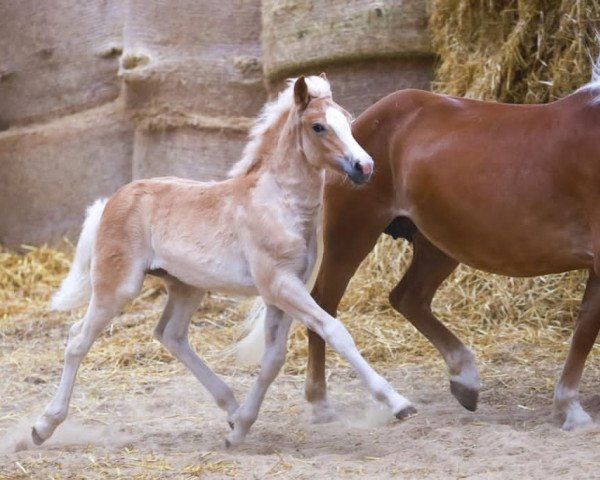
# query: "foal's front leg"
x,y
293,298
277,326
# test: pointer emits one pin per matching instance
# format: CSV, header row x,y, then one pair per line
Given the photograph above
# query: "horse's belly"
x,y
518,253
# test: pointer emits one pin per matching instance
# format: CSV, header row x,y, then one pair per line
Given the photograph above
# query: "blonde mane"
x,y
269,118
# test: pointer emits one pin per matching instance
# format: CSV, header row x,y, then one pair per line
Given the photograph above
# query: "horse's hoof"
x,y
577,420
406,412
36,437
466,396
227,443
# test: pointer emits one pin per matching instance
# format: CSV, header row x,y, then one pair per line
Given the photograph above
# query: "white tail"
x,y
76,289
248,351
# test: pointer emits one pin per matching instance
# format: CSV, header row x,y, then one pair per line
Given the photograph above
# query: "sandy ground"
x,y
167,427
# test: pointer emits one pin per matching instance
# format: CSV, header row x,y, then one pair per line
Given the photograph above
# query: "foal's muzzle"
x,y
359,171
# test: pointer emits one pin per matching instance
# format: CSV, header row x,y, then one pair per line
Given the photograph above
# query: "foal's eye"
x,y
317,127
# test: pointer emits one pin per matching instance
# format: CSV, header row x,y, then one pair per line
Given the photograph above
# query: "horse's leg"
x,y
412,298
108,298
172,332
291,297
339,263
277,326
566,394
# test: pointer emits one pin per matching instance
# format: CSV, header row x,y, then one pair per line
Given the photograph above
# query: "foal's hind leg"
x,y
566,395
172,332
106,302
277,326
412,298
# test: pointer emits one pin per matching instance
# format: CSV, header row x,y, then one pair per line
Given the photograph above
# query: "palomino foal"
x,y
254,233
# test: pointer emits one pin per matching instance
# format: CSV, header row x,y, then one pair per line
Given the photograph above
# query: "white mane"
x,y
268,117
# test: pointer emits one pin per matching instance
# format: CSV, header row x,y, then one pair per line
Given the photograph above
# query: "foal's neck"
x,y
302,182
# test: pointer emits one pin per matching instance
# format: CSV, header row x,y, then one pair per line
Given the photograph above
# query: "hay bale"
x,y
198,153
514,51
301,35
197,57
51,172
193,80
58,57
367,48
357,86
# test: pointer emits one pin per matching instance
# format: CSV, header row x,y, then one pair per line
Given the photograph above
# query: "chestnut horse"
x,y
254,233
507,189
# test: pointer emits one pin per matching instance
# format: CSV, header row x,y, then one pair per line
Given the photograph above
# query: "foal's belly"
x,y
225,272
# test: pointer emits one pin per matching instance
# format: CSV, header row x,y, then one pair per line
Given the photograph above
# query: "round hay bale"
x,y
52,172
359,85
514,51
193,80
197,57
58,57
186,151
301,34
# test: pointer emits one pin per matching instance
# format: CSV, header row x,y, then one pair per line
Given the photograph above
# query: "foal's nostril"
x,y
358,167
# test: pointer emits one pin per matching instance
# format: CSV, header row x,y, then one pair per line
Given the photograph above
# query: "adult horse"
x,y
507,189
254,233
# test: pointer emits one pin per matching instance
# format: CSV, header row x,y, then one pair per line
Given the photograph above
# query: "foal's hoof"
x,y
406,412
36,437
230,423
466,396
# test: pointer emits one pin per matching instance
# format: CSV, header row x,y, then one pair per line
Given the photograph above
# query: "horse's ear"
x,y
301,96
323,76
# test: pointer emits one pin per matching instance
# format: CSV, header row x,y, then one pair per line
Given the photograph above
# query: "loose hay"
x,y
514,51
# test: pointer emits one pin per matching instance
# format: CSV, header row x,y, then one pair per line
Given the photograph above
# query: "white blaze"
x,y
340,125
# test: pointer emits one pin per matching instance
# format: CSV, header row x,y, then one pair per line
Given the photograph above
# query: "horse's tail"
x,y
249,350
76,289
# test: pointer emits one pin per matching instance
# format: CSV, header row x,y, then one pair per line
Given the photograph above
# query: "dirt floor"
x,y
144,416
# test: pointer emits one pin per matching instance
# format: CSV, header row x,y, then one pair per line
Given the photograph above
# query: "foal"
x,y
254,233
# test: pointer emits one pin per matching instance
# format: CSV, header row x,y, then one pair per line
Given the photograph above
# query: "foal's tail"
x,y
76,288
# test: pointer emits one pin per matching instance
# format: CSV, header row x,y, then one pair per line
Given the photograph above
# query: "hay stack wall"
x,y
95,94
63,138
367,48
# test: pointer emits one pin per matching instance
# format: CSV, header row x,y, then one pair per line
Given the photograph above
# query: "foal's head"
x,y
325,135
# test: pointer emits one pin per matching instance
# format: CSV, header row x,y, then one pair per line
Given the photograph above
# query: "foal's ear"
x,y
323,76
301,96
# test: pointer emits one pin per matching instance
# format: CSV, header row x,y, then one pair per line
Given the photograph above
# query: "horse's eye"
x,y
317,127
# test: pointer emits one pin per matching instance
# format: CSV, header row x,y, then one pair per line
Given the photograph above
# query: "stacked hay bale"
x,y
63,139
192,82
514,51
367,48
